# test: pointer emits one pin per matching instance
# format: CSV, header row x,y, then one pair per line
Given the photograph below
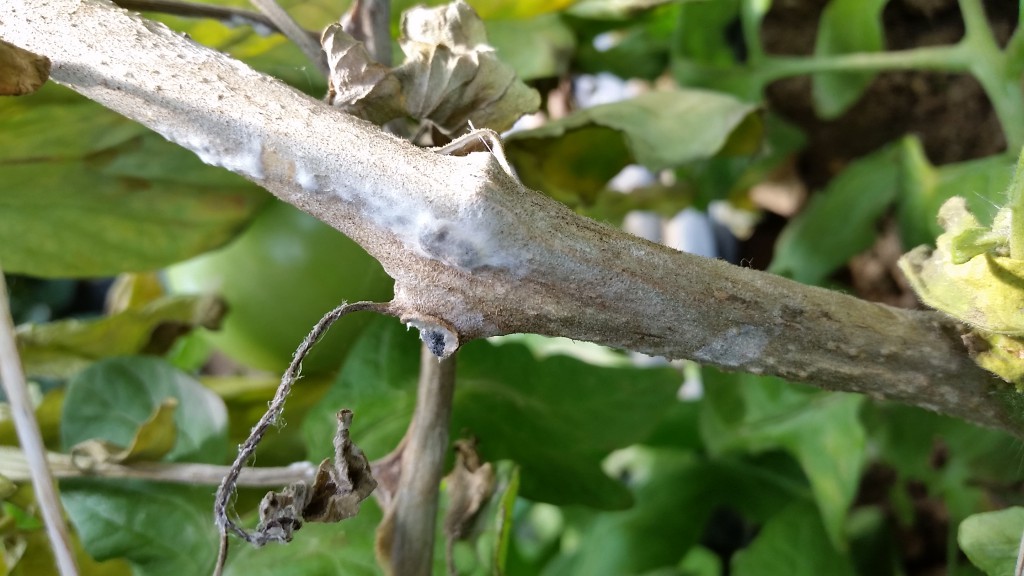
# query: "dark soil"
x,y
949,112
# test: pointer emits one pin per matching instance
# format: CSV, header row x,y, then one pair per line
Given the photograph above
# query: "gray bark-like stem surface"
x,y
405,539
474,252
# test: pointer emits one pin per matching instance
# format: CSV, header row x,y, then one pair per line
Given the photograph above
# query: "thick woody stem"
x,y
474,251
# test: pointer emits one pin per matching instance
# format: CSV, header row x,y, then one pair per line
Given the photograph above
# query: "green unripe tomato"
x,y
279,277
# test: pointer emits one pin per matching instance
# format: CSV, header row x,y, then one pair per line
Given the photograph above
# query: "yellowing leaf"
x,y
61,349
986,292
153,440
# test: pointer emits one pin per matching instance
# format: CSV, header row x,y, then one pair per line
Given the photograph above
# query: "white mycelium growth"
x,y
459,228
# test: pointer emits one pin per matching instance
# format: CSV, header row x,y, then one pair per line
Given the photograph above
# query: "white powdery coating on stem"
x,y
242,159
459,228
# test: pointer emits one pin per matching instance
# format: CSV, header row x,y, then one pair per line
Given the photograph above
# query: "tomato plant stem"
x,y
405,539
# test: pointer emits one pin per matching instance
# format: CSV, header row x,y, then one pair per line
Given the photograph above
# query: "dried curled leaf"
x,y
357,84
21,72
450,76
335,495
470,484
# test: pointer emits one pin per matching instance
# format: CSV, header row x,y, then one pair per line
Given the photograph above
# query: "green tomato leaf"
x,y
558,417
635,47
838,222
63,348
703,37
612,9
75,202
575,156
983,183
701,562
792,543
154,439
1015,211
114,397
822,432
675,493
536,48
555,417
342,548
704,53
846,26
673,499
163,530
909,440
36,558
991,539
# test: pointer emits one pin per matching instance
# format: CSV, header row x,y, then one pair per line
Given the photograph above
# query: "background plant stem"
x,y
13,379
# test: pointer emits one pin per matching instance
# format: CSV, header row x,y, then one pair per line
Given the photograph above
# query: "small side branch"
x,y
15,468
405,538
297,34
13,379
248,448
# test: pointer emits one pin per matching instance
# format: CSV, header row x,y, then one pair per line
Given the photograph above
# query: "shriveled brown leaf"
x,y
21,72
450,77
470,484
335,494
358,84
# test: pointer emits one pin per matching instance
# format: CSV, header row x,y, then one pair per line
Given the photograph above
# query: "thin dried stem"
x,y
13,379
405,538
369,21
227,487
226,14
15,467
297,34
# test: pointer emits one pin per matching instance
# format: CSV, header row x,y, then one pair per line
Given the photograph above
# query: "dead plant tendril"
x,y
226,491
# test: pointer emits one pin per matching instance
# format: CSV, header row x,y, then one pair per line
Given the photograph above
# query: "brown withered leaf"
x,y
335,494
358,84
469,485
450,77
21,72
